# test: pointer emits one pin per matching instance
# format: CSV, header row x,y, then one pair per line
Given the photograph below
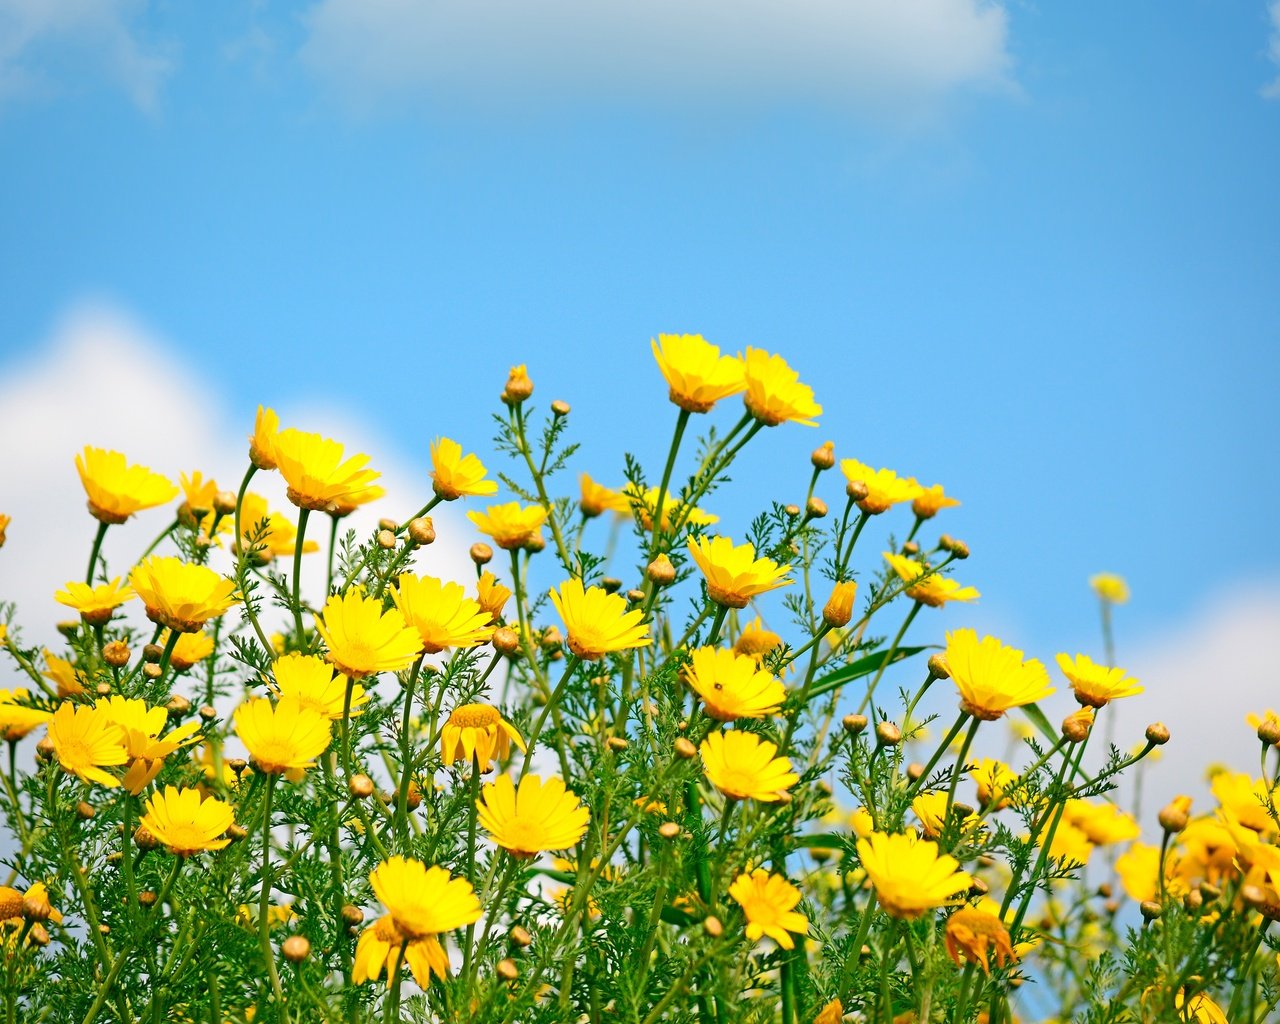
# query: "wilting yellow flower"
x,y
477,731
991,677
94,603
378,950
308,680
69,680
1095,684
910,875
538,816
755,640
181,595
117,490
283,739
140,728
423,900
184,824
697,375
1110,588
774,392
884,487
189,650
644,503
316,473
598,622
491,595
768,902
742,766
441,613
1200,1009
931,500
1104,823
973,934
454,475
16,718
597,499
734,575
363,639
510,525
934,589
993,779
262,442
733,685
85,741
280,537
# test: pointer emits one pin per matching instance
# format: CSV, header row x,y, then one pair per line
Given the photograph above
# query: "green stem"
x,y
264,903
571,663
93,554
406,754
682,421
959,769
303,513
333,543
893,649
923,777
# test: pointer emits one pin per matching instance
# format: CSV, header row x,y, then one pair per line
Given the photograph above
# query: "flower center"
x,y
475,716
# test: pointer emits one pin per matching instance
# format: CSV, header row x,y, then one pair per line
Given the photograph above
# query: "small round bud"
x,y
535,543
560,407
116,654
611,584
1150,910
1262,900
685,749
481,553
712,926
911,548
85,810
152,652
36,907
960,549
208,712
360,786
661,572
296,948
144,840
616,743
44,749
38,935
1269,732
1104,890
1157,734
507,969
938,667
820,854
519,937
1193,901
387,524
854,724
422,531
519,387
978,888
945,541
914,770
236,833
152,671
888,734
178,706
815,508
386,540
237,765
1174,816
224,503
1210,891
551,638
1076,727
104,929
792,510
115,857
413,796
103,689
351,915
635,596
505,640
857,491
838,611
668,830
824,458
147,898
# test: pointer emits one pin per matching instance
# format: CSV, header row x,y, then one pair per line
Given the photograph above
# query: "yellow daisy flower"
x,y
1104,823
992,677
16,718
491,595
598,622
510,525
454,475
839,607
643,503
94,603
181,595
930,501
140,728
1094,685
262,442
884,487
283,739
316,472
85,741
1070,844
774,392
993,778
423,900
733,685
117,490
972,935
742,766
280,540
198,492
477,731
69,680
930,808
1200,1009
734,575
190,650
1110,588
1245,799
363,639
935,590
768,902
184,824
537,817
697,375
441,613
910,875
355,499
378,949
308,680
596,499
756,641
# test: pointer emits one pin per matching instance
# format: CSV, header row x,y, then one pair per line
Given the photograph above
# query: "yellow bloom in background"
x,y
734,575
85,741
94,603
832,1013
117,490
197,495
930,808
755,640
774,392
181,595
16,718
1110,588
262,442
184,824
4,526
280,539
1268,718
645,503
537,817
423,900
1200,1009
596,499
1094,685
992,677
732,685
1246,799
140,728
1104,823
511,525
1138,869
317,474
491,595
697,375
768,902
910,875
454,475
378,950
283,739
598,622
190,649
441,613
1070,844
354,499
477,731
884,487
934,589
973,935
993,779
308,680
743,767
65,676
861,823
932,500
363,639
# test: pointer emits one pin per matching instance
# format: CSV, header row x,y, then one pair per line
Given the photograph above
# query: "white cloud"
x,y
879,55
1272,90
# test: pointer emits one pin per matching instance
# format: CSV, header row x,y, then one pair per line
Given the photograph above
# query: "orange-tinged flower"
x,y
85,741
262,442
441,613
184,824
927,586
491,595
1110,588
931,500
94,603
536,817
733,685
17,718
756,641
477,731
283,739
308,680
596,499
774,392
378,950
317,473
454,475
697,375
974,935
117,490
768,902
69,680
992,677
832,1013
884,487
363,639
910,875
181,595
510,525
1094,685
839,607
743,767
734,575
423,900
598,622
140,728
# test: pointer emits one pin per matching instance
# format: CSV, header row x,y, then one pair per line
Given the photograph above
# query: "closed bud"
x,y
1076,727
360,786
820,854
224,503
104,689
611,584
1173,816
668,830
236,833
38,935
560,407
413,796
178,706
144,840
1262,900
237,765
1104,890
147,898
296,948
208,713
685,749
519,937
505,640
387,524
888,734
1210,891
104,929
551,638
152,671
422,531
1269,732
857,491
35,905
824,457
70,628
959,549
507,969
44,749
1150,910
635,596
85,810
535,543
1193,901
152,652
386,540
838,610
978,888
792,510
661,572
938,667
519,387
116,654
815,508
712,926
1157,734
481,553
914,770
854,724
616,743
352,915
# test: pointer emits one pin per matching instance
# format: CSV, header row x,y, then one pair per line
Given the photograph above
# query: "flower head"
x,y
734,574
69,680
768,902
423,900
363,639
117,490
184,824
189,650
697,375
140,728
743,767
378,949
933,589
536,817
491,595
774,392
644,503
441,613
1094,684
598,622
316,472
974,935
284,738
1199,1009
510,525
756,641
1104,823
910,875
94,603
454,475
930,501
198,492
884,487
85,741
477,731
993,779
262,442
1110,588
733,685
597,499
992,677
308,680
17,718
354,499
4,525
181,595
839,607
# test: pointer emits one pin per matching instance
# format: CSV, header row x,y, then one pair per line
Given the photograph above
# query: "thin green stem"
x,y
303,513
888,658
406,754
682,421
93,554
264,902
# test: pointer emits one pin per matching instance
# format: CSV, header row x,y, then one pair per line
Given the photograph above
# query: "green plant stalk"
x,y
893,649
406,755
937,754
93,554
264,902
959,769
299,541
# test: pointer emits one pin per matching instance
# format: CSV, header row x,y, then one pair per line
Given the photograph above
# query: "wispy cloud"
x,y
1272,90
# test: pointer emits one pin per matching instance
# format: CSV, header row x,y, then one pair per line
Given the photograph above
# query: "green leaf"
x,y
858,669
1038,718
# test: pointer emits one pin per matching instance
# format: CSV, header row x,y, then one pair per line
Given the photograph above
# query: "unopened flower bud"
x,y
1076,727
413,796
505,640
712,926
857,491
824,457
224,503
85,810
1173,816
1193,901
661,572
1150,910
116,654
144,840
519,386
69,628
386,540
208,712
914,770
938,667
152,653
635,596
854,724
888,734
519,936
236,833
616,743
560,408
44,749
551,638
815,508
360,786
535,543
296,948
35,905
237,765
351,915
668,830
103,689
611,584
1262,900
959,549
507,969
1104,890
481,553
152,671
791,510
685,749
1269,731
178,706
422,531
911,548
1210,891
387,524
1157,734
839,607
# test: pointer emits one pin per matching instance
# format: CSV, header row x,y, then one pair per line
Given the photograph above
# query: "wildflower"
x,y
538,816
181,595
768,902
1199,1009
832,1013
1070,844
518,387
423,900
596,499
354,499
510,525
644,504
884,487
363,639
184,824
454,475
198,493
1246,799
697,375
1139,871
930,808
839,607
279,539
477,731
189,650
140,728
117,490
972,934
262,442
4,525
991,677
1110,588
742,766
931,500
733,685
378,949
16,718
1104,823
861,823
993,779
910,875
927,586
94,603
491,595
85,741
756,641
283,739
69,680
734,575
1094,684
441,613
15,907
774,392
316,474
308,680
598,622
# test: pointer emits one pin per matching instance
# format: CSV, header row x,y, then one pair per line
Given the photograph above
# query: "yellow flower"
x,y
973,934
697,375
742,766
477,731
861,823
117,490
181,595
262,442
755,640
378,949
12,903
423,900
4,525
930,501
17,719
441,613
518,387
1070,844
1254,721
934,589
884,487
491,595
355,498
68,679
910,875
184,824
85,741
315,471
363,639
598,622
308,680
597,499
140,728
991,677
1095,684
510,525
930,807
993,779
734,575
1200,1009
838,610
198,493
644,503
774,392
832,1013
1245,799
95,604
1104,823
190,650
732,685
1110,588
768,902
279,539
455,475
284,739
538,816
